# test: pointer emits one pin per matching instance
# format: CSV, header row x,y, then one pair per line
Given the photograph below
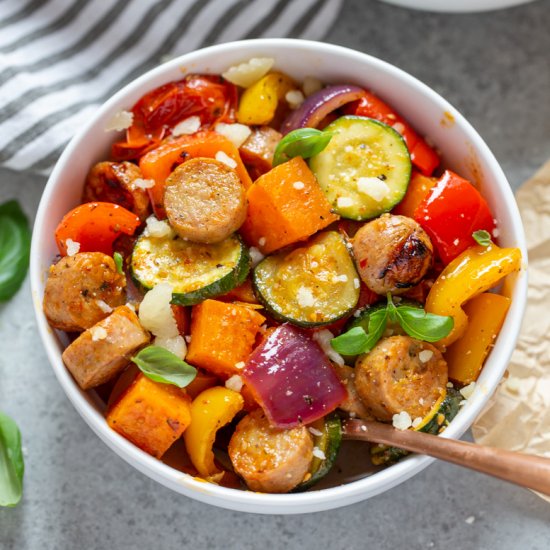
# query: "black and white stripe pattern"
x,y
60,59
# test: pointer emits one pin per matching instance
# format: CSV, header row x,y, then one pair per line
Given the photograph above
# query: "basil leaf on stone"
x,y
117,258
356,341
482,237
303,142
422,325
12,466
15,244
161,365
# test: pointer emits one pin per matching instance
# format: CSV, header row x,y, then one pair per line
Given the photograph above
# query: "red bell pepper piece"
x,y
422,155
95,225
451,212
292,379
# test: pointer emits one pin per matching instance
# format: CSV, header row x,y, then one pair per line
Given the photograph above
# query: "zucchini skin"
x,y
382,455
332,440
223,285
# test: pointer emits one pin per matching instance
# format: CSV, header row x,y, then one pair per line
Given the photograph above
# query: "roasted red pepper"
x,y
422,155
451,212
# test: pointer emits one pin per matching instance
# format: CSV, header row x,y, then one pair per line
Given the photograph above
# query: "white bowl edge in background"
x,y
463,150
457,6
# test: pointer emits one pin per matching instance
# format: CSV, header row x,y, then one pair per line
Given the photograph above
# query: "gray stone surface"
x,y
78,494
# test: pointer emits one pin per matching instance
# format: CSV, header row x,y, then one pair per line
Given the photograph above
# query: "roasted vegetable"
x,y
418,189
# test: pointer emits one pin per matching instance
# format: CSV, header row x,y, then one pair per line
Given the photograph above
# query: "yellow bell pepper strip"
x,y
474,271
486,314
210,410
259,102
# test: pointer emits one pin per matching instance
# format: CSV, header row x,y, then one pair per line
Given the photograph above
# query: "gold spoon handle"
x,y
519,468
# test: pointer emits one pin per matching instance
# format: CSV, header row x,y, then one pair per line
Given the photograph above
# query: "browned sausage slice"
x,y
393,253
103,350
268,459
258,150
116,182
81,289
401,374
352,404
204,200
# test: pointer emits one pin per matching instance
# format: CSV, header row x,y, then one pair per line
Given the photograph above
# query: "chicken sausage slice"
x,y
393,253
205,200
258,150
270,460
400,374
103,350
81,290
116,182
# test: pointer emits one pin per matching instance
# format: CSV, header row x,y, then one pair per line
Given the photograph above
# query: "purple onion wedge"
x,y
318,105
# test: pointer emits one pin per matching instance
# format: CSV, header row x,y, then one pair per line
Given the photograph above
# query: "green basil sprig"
x,y
12,466
15,244
416,322
482,237
303,142
117,258
161,365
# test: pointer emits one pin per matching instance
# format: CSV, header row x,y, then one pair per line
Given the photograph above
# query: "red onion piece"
x,y
318,105
292,378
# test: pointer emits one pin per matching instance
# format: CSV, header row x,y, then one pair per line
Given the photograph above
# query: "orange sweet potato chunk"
x,y
151,415
285,206
222,336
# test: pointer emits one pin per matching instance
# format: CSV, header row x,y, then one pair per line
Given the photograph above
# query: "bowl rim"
x,y
316,500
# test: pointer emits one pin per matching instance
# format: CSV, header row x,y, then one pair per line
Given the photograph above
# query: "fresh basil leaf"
x,y
303,142
356,341
482,237
15,244
117,257
422,325
161,365
12,465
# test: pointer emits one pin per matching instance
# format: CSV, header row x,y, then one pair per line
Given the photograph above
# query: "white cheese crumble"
x,y
246,74
236,133
176,345
120,121
188,338
456,241
496,232
314,264
356,283
240,365
310,85
468,391
234,383
417,421
318,453
226,159
399,127
104,306
261,241
298,185
155,312
323,338
340,278
344,202
305,297
73,247
425,355
402,421
140,183
315,432
98,333
288,393
294,98
188,126
255,256
158,228
373,187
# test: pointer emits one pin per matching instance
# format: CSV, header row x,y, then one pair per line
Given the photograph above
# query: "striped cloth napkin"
x,y
60,59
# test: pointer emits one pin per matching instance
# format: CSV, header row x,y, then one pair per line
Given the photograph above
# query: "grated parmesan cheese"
x,y
315,432
234,383
496,232
120,121
140,183
73,247
235,133
318,453
255,256
417,421
158,228
246,74
104,306
240,365
305,297
155,312
340,279
356,283
226,159
344,202
373,187
402,421
298,185
425,355
188,126
468,391
294,98
175,344
399,127
310,85
98,333
323,338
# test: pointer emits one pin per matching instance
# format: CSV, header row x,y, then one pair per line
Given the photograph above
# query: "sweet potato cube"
x,y
285,206
151,415
222,336
103,350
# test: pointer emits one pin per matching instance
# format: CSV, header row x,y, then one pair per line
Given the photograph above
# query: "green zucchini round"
x,y
310,286
195,271
365,169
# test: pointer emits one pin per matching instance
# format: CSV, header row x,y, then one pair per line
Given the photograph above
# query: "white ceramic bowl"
x,y
463,150
457,6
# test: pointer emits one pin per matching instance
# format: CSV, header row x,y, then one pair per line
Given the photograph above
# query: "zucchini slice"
x,y
365,169
313,285
195,271
441,414
327,439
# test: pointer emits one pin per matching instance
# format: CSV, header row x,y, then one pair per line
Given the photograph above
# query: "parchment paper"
x,y
518,416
